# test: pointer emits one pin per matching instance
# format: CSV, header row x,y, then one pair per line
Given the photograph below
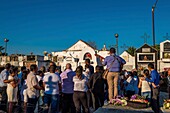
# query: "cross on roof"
x,y
167,36
124,46
145,37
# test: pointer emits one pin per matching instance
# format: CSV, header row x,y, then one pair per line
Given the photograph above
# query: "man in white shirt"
x,y
33,88
51,93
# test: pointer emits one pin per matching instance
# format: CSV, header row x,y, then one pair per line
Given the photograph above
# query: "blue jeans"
x,y
52,100
147,95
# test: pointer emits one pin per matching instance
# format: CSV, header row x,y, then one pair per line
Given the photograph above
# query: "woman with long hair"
x,y
80,89
12,88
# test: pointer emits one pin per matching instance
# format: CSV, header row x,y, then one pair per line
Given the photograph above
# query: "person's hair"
x,y
112,50
33,67
13,69
87,60
164,73
39,72
97,67
7,66
23,68
52,63
130,73
43,69
79,72
24,76
146,72
135,73
150,65
52,68
68,65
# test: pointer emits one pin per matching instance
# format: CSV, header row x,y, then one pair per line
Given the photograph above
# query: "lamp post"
x,y
153,22
116,36
6,41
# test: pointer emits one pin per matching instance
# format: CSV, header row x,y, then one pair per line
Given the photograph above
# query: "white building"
x,y
77,54
164,62
130,61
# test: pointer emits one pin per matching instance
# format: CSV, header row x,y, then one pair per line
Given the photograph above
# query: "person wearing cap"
x,y
114,63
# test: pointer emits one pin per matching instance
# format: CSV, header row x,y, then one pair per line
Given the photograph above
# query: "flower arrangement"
x,y
138,102
166,104
137,98
119,101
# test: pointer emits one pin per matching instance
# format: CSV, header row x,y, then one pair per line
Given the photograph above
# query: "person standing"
x,y
80,89
23,68
115,63
155,77
89,70
67,89
96,85
130,85
163,88
4,80
51,93
89,66
32,88
169,81
12,88
145,86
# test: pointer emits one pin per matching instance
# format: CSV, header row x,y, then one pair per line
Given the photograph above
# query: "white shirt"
x,y
80,85
145,86
31,82
51,81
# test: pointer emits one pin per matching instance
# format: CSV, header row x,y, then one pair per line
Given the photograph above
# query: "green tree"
x,y
131,50
1,48
157,47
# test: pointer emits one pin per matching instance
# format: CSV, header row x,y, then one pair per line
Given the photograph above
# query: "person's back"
x,y
51,81
67,81
67,89
98,83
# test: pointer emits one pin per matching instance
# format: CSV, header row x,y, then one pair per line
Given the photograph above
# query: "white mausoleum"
x,y
77,54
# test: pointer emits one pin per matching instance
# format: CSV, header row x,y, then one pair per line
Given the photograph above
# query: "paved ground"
x,y
118,109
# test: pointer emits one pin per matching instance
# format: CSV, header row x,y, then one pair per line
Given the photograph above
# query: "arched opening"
x,y
87,56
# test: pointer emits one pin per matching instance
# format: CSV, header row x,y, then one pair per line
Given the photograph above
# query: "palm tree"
x,y
131,50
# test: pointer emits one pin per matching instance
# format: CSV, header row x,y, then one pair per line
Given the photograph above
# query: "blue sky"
x,y
53,25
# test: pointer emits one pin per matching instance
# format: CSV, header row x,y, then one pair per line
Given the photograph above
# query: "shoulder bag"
x,y
107,70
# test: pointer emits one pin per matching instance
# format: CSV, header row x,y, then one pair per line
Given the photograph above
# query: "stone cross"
x,y
124,46
145,37
167,36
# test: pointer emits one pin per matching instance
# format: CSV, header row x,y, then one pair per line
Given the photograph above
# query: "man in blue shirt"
x,y
155,77
114,63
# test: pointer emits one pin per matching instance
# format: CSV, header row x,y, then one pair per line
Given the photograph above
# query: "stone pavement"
x,y
119,109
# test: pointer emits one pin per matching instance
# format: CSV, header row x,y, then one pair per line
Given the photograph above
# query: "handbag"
x,y
105,73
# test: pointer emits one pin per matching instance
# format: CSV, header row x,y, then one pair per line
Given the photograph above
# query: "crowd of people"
x,y
81,90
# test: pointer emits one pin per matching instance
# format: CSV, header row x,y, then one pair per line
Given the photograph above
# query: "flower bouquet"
x,y
166,104
119,101
139,102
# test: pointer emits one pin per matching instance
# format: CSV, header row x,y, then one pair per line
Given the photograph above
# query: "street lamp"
x,y
116,36
153,22
6,41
